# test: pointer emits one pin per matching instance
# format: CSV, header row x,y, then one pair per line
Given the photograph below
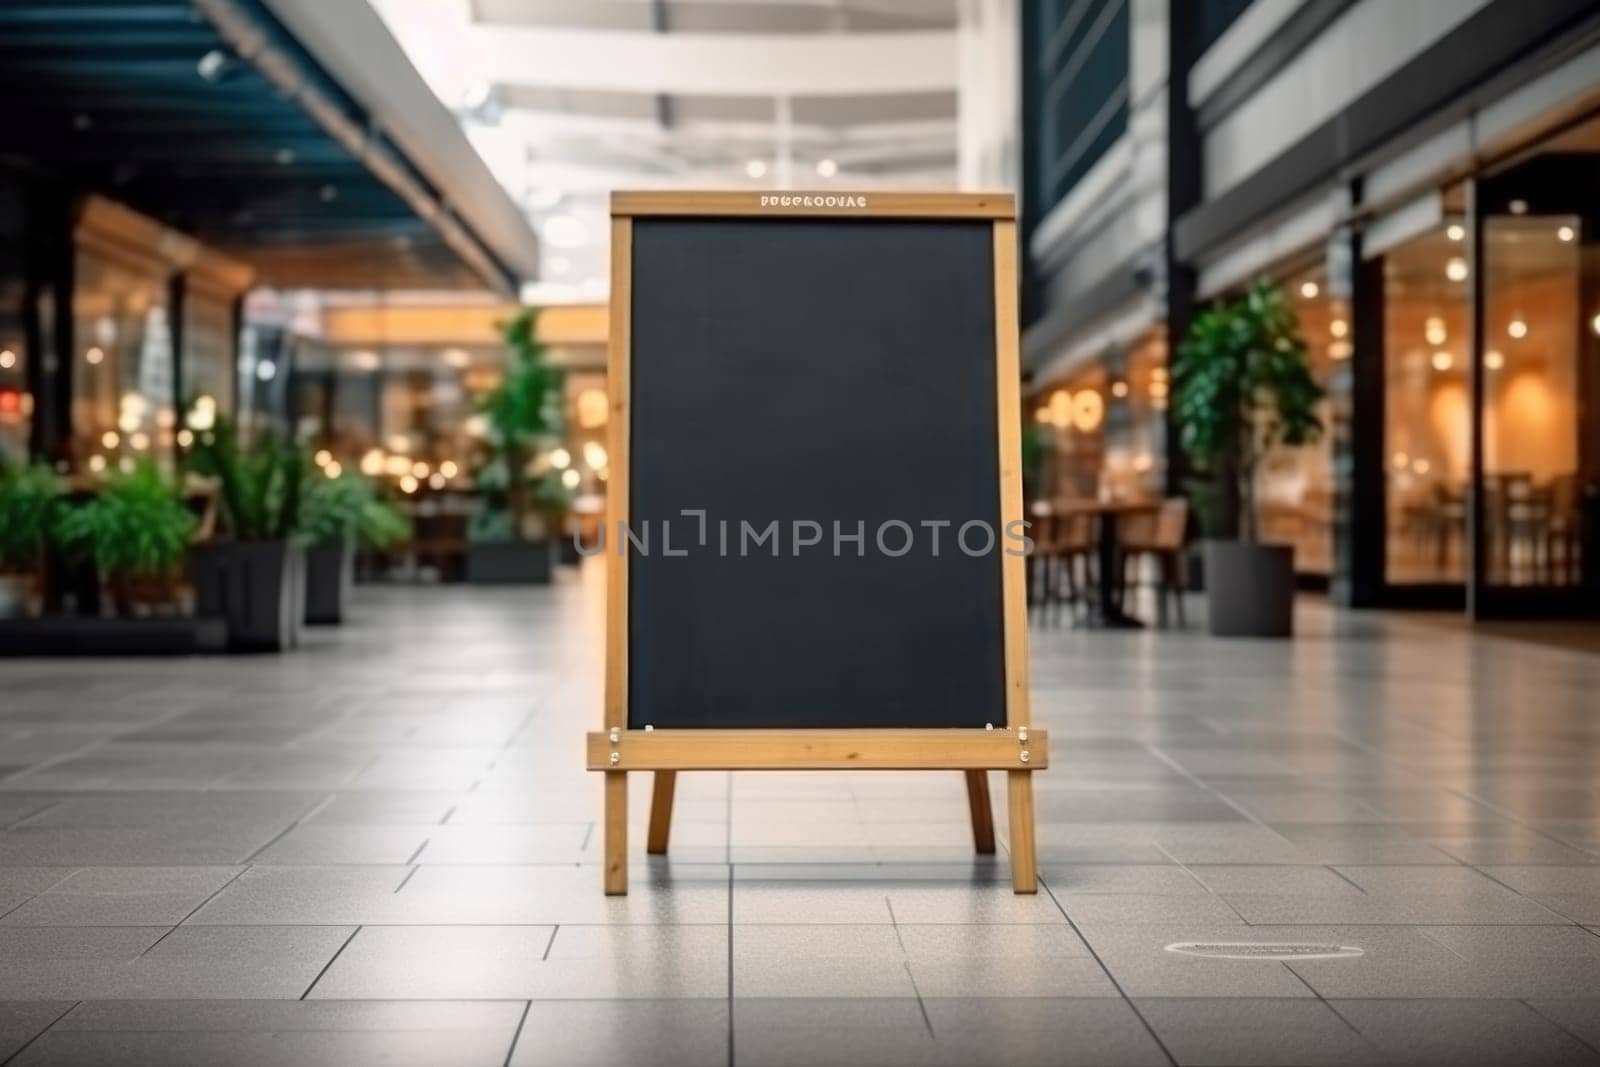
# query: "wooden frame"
x,y
1016,749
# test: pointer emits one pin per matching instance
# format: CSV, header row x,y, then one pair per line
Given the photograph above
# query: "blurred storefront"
x,y
1429,212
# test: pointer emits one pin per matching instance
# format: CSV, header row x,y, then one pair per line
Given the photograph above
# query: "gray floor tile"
x,y
605,1033
857,1032
21,1021
281,1032
1251,1031
1462,1032
530,962
123,896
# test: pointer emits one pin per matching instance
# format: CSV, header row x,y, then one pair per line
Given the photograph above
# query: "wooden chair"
x,y
1072,545
1161,538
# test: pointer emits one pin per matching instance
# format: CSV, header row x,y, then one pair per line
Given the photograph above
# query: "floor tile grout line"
x,y
900,940
730,924
412,861
59,881
240,873
18,824
47,1028
1527,1002
337,953
407,878
1123,993
516,1034
550,944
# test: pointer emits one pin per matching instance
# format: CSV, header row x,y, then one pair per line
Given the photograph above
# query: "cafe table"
x,y
1108,514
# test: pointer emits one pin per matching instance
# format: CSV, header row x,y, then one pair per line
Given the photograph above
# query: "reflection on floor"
x,y
382,849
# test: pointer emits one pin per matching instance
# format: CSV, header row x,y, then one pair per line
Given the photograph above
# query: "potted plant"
x,y
522,413
255,578
134,530
339,514
29,500
1244,386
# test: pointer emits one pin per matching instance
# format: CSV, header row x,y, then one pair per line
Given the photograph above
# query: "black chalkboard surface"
x,y
823,371
813,559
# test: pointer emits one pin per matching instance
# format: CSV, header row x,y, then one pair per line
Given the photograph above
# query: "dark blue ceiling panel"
x,y
114,96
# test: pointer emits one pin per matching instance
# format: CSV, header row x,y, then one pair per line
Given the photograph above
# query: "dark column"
x,y
177,295
1183,194
1355,393
47,322
1477,546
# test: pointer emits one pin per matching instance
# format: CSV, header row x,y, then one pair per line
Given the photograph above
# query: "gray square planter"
x,y
330,578
256,587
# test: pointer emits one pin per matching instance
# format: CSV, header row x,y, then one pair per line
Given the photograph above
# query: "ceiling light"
x,y
560,459
1309,290
1434,331
827,168
1338,327
756,168
333,470
185,438
266,370
1340,350
322,458
8,359
594,454
564,231
372,462
436,480
214,66
1494,359
448,468
1566,233
97,463
1517,329
570,478
1518,207
420,469
1119,389
1594,324
408,484
95,355
1456,269
109,439
1455,231
1442,360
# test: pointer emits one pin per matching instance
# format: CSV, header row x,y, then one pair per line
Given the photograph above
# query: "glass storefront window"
x,y
16,402
122,381
1427,407
208,346
1531,386
1072,413
1294,485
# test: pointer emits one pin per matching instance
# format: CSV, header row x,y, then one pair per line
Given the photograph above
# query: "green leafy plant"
x,y
262,484
349,508
135,526
1035,445
30,499
521,411
1244,386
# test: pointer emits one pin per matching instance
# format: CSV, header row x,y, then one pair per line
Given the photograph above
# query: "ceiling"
x,y
149,102
568,99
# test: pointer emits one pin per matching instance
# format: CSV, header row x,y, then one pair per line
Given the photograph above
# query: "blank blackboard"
x,y
813,370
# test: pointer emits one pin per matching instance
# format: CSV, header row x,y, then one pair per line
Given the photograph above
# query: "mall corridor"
x,y
394,830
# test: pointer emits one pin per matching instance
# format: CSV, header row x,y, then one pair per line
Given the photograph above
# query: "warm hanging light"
x,y
1455,231
1309,290
1565,234
1494,359
1517,328
1442,360
1087,410
1434,331
1456,269
1338,327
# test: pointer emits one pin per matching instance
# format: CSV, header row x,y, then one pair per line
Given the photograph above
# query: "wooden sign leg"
x,y
661,812
982,811
616,843
1024,863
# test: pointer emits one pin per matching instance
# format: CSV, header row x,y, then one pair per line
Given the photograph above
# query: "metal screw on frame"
x,y
988,726
615,736
1022,735
616,758
1024,755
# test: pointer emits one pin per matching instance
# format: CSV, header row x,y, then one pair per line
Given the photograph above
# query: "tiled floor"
x,y
383,849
